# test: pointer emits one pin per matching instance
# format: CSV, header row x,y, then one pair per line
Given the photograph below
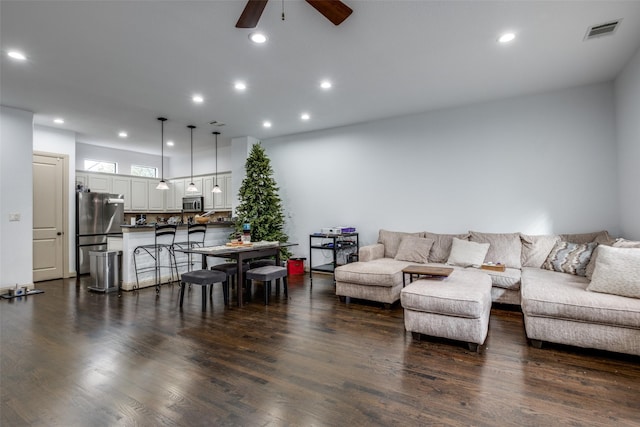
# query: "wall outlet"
x,y
14,217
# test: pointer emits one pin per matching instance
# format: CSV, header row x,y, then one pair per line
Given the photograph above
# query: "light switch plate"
x,y
14,217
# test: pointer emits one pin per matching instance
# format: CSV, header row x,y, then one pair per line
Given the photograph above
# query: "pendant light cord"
x,y
162,120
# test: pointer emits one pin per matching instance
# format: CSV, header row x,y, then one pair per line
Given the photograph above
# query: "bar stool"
x,y
266,274
164,237
196,234
204,278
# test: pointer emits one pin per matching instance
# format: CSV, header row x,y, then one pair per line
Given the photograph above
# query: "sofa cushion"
x,y
536,249
596,236
507,279
504,248
624,243
617,243
617,272
385,272
466,254
391,241
563,296
414,249
462,294
442,245
572,258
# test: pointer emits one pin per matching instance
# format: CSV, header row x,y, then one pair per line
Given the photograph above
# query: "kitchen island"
x,y
137,235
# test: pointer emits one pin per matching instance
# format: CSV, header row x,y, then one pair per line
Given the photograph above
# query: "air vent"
x,y
602,29
216,123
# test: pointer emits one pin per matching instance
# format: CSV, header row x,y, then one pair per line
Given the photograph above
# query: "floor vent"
x,y
602,29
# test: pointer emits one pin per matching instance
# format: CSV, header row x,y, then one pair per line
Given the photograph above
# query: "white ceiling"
x,y
107,66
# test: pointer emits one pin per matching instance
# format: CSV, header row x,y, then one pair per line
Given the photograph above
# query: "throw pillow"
x,y
617,272
504,248
624,243
596,236
442,245
467,254
571,258
391,241
414,249
536,249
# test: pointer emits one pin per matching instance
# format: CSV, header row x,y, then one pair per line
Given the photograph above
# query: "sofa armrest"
x,y
371,252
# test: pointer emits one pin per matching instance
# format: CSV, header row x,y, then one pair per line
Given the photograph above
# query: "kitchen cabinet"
x,y
82,179
197,182
100,183
140,194
178,192
223,200
207,186
122,185
156,197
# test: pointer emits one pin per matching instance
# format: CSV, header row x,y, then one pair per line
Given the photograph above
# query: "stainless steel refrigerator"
x,y
98,215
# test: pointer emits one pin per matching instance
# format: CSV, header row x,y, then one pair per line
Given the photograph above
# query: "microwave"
x,y
192,204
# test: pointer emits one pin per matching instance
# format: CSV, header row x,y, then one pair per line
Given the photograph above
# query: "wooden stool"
x,y
266,274
204,278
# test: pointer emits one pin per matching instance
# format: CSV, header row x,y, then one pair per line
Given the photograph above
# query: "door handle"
x,y
59,233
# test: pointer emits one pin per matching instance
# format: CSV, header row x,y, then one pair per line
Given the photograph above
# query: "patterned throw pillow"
x,y
571,258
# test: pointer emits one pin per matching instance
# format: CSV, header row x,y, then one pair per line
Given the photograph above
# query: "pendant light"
x,y
216,188
192,187
162,185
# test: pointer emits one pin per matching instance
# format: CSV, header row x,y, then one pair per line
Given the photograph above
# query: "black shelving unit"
x,y
337,244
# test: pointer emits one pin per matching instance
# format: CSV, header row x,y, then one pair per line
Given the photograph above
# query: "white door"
x,y
48,214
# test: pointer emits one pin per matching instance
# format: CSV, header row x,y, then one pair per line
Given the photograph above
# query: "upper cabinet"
x,y
140,194
100,183
156,197
122,185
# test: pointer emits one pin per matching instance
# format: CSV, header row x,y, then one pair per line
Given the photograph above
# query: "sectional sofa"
x,y
576,289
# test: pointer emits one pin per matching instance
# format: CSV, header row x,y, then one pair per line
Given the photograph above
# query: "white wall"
x,y
204,161
16,196
537,164
58,141
627,91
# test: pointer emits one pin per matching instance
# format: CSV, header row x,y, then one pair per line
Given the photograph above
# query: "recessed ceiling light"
x,y
123,134
170,143
58,120
266,124
506,37
325,84
305,116
198,99
258,38
240,86
16,54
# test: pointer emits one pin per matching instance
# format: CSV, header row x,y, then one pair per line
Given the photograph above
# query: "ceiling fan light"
x,y
162,185
216,189
191,188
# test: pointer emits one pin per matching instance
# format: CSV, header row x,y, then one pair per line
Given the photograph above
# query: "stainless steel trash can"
x,y
104,268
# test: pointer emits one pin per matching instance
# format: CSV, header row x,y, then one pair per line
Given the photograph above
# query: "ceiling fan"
x,y
334,10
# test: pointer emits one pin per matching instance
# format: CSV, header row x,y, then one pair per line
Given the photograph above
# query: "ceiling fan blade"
x,y
334,10
251,14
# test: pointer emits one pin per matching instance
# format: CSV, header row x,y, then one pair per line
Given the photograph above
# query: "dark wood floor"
x,y
70,357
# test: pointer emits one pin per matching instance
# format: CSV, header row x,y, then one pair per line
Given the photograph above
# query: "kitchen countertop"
x,y
126,228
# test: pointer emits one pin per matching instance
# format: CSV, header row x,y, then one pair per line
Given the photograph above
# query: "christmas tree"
x,y
259,203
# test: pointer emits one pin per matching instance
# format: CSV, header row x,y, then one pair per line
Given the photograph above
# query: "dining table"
x,y
240,253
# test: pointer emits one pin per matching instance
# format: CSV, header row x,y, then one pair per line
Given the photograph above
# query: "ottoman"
x,y
456,308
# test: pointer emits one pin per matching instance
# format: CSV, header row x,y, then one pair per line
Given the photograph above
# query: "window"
x,y
147,171
100,166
